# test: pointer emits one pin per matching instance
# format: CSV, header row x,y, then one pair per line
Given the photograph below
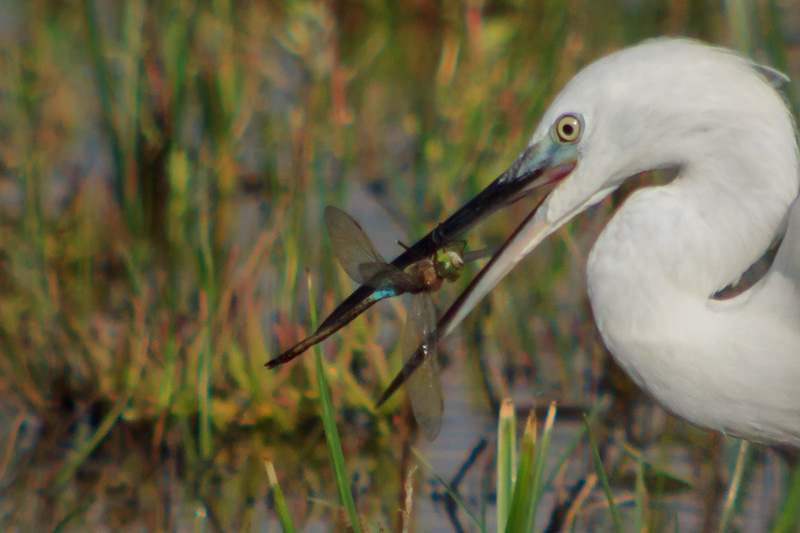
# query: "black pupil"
x,y
567,130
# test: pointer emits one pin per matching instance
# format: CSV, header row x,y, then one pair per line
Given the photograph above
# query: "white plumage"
x,y
717,120
732,365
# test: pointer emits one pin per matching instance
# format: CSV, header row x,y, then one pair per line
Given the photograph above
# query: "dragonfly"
x,y
536,168
517,182
364,264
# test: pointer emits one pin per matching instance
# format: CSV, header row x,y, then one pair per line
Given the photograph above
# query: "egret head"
x,y
665,103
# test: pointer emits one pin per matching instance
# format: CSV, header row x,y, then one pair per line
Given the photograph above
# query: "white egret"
x,y
716,119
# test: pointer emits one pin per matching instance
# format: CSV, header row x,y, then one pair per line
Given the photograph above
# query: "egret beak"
x,y
544,163
539,165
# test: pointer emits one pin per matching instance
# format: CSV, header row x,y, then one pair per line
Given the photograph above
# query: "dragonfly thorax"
x,y
426,278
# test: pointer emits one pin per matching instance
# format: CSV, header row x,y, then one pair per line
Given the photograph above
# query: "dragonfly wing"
x,y
350,243
424,386
389,277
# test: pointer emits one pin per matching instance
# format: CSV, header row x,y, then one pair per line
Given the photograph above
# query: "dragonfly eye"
x,y
448,264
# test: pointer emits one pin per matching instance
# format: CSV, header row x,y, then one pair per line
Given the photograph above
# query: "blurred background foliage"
x,y
163,169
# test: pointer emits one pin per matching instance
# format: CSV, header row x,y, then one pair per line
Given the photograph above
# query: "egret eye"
x,y
568,128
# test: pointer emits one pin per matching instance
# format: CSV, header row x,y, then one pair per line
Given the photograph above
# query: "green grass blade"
x,y
601,472
280,503
523,488
597,408
506,461
790,515
641,489
104,92
77,458
209,297
329,422
739,16
541,458
80,510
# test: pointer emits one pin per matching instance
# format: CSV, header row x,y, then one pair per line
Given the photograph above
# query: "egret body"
x,y
730,365
716,120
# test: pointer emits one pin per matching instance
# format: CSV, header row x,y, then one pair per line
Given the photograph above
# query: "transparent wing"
x,y
351,245
424,386
386,276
